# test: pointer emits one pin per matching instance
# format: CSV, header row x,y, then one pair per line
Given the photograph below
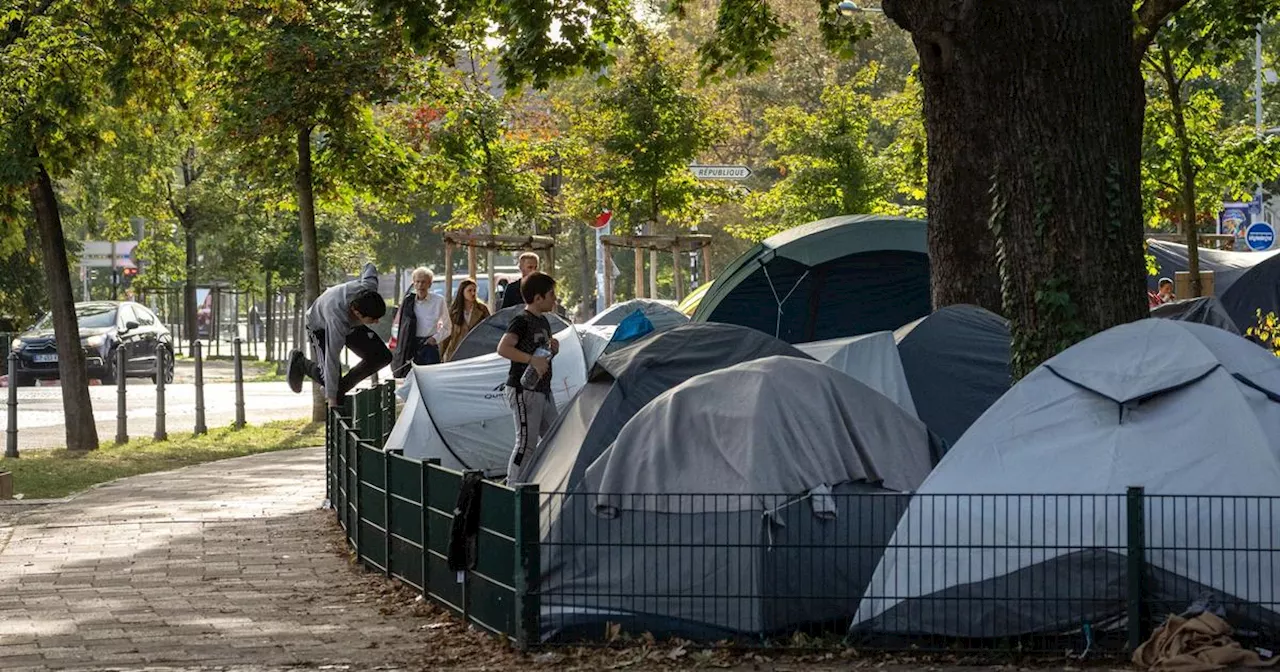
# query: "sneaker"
x,y
296,367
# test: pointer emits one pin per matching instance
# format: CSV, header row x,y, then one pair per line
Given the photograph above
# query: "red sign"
x,y
602,219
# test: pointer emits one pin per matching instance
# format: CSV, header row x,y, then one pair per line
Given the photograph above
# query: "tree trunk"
x,y
1186,172
310,250
1062,98
82,433
961,248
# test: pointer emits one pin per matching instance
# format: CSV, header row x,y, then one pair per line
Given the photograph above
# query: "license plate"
x,y
45,359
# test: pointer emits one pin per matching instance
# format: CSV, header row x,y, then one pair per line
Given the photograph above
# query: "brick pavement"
x,y
217,565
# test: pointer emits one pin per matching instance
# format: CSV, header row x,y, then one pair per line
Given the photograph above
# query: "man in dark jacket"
x,y
528,263
421,324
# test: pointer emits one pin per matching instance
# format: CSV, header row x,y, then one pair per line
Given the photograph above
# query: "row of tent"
x,y
776,492
713,408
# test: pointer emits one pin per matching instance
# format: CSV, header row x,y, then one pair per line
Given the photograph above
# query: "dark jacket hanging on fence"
x,y
466,523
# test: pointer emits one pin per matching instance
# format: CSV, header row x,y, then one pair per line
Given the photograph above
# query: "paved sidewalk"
x,y
223,564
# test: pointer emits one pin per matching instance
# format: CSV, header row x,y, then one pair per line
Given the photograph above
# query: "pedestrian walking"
x,y
340,318
529,343
421,324
465,313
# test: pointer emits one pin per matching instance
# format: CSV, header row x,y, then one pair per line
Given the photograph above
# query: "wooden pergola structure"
x,y
545,246
675,244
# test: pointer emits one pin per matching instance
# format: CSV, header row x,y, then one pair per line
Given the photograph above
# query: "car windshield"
x,y
91,316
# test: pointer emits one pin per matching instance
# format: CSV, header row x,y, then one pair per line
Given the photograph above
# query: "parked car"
x,y
105,326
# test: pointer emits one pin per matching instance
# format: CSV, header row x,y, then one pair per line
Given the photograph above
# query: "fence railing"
x,y
467,544
852,566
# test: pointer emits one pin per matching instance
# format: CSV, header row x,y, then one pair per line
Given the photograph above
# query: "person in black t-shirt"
x,y
533,410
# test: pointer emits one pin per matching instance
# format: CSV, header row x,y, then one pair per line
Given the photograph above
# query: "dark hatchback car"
x,y
105,326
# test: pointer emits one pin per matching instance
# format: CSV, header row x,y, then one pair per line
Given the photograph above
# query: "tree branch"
x,y
1151,17
17,28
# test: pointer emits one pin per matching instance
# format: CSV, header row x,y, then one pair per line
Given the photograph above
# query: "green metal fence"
x,y
398,514
981,572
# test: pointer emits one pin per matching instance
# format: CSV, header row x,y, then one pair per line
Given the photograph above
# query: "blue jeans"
x,y
425,353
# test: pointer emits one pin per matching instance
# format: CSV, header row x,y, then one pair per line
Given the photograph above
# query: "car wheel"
x,y
109,370
23,381
168,365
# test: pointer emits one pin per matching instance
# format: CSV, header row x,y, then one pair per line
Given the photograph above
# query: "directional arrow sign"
x,y
721,172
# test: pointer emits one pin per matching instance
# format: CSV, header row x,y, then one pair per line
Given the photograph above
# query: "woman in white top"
x,y
421,324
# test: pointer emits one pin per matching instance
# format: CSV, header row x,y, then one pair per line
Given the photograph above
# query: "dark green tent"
x,y
840,276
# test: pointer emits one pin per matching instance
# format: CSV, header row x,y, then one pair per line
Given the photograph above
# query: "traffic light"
x,y
130,272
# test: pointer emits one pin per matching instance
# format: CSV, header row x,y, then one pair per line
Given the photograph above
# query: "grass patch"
x,y
58,473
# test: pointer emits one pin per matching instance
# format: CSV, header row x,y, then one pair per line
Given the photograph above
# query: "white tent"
x,y
1178,408
457,411
871,359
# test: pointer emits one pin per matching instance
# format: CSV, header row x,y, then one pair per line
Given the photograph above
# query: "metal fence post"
x,y
197,350
122,414
161,434
528,566
11,434
239,364
386,513
1136,564
427,465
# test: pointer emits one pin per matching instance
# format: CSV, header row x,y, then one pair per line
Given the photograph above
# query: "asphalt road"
x,y
40,415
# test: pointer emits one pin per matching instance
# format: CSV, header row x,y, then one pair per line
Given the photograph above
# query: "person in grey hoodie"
x,y
340,318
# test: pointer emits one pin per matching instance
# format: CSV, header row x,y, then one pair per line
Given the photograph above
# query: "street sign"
x,y
602,220
1260,236
105,254
720,172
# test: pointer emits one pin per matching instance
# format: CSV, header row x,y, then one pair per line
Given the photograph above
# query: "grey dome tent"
x,y
1203,310
956,361
621,383
484,338
841,276
1179,408
871,359
1257,289
757,467
1228,266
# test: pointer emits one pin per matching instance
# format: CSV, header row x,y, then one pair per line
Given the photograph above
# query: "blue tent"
x,y
836,277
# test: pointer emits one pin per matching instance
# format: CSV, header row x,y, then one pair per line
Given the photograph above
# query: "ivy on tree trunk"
x,y
1057,86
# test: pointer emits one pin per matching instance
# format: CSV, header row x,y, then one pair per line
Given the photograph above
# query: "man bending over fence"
x,y
340,318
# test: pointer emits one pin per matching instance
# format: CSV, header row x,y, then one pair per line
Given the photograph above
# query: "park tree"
x,y
1193,155
62,64
297,84
824,158
1033,114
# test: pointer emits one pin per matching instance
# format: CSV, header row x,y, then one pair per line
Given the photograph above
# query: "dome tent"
x,y
1181,409
484,338
621,383
957,363
662,314
1257,289
836,277
1228,266
871,359
738,463
457,411
1204,310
